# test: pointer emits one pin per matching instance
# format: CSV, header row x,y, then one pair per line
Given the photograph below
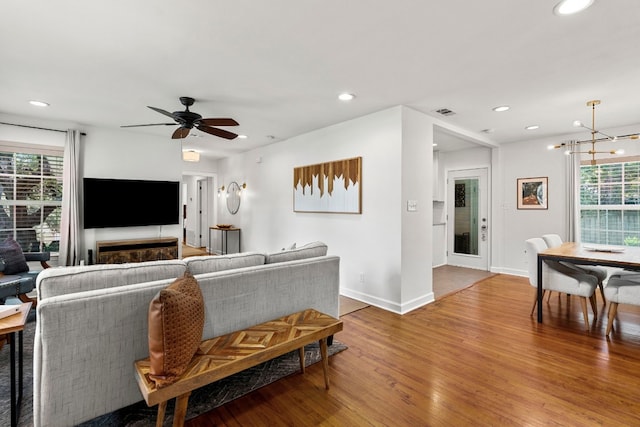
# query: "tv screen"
x,y
129,203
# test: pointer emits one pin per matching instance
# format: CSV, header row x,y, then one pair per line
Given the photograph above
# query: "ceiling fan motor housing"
x,y
186,118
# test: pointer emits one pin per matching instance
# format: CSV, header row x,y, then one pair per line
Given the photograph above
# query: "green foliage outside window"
x,y
610,201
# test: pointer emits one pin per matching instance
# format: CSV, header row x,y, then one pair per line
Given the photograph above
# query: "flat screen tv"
x,y
130,203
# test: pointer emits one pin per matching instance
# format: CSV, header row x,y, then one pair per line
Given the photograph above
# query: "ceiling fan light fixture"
x,y
570,7
190,156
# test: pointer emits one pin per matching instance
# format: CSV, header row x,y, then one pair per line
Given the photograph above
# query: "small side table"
x,y
224,247
10,325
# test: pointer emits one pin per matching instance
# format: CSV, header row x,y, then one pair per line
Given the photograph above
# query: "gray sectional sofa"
x,y
92,320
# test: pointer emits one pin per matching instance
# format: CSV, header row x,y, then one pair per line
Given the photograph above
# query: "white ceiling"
x,y
277,66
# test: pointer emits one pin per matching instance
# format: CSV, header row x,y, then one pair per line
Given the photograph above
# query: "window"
x,y
610,203
31,196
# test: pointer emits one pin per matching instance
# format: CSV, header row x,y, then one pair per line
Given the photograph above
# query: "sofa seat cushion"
x,y
176,322
310,250
212,263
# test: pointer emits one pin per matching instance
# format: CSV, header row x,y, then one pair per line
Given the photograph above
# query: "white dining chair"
x,y
560,278
554,240
622,288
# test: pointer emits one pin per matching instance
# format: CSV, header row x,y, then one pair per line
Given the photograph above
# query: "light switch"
x,y
412,205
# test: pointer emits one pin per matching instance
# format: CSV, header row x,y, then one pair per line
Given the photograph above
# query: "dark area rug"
x,y
139,414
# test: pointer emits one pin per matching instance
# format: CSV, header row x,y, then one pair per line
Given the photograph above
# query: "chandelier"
x,y
596,136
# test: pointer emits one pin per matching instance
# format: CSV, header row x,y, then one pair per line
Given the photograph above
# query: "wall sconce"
x,y
220,190
190,156
242,187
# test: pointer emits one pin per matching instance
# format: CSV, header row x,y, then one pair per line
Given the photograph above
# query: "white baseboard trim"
x,y
384,304
511,271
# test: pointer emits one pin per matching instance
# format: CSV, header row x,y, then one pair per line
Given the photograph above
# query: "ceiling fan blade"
x,y
181,132
219,122
150,124
217,132
161,111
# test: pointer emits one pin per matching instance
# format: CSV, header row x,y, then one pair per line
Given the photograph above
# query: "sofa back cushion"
x,y
212,263
65,280
310,250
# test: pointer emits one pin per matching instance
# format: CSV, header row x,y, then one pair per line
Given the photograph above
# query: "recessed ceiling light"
x,y
39,103
501,108
346,96
569,7
532,127
242,136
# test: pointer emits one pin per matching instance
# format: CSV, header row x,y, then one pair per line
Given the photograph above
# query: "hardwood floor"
x,y
448,279
188,251
475,357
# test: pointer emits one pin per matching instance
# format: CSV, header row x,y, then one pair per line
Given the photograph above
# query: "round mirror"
x,y
233,197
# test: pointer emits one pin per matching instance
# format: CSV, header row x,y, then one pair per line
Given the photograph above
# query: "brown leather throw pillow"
x,y
176,322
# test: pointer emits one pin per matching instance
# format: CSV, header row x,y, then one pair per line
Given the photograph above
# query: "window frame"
x,y
15,231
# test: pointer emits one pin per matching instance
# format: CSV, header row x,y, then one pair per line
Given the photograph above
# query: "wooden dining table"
x,y
627,257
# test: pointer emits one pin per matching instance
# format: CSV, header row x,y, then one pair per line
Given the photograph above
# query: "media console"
x,y
138,250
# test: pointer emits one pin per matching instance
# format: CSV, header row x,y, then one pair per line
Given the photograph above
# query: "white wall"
x,y
417,229
369,244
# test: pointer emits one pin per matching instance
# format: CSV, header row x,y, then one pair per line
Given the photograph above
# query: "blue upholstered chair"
x,y
16,278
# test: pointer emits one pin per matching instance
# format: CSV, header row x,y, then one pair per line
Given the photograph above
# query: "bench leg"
x,y
301,352
325,361
180,412
162,407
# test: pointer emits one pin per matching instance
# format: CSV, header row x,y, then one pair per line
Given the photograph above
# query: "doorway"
x,y
203,213
467,218
200,207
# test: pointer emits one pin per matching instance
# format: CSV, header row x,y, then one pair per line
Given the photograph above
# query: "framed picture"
x,y
532,193
333,187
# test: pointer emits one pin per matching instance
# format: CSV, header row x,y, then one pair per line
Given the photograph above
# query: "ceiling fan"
x,y
188,120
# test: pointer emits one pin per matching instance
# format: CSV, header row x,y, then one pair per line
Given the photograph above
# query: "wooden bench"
x,y
226,355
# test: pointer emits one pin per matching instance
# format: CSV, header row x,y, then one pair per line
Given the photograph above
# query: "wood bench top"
x,y
226,355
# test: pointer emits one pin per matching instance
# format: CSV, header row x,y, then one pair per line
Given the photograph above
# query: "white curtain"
x,y
70,223
573,194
